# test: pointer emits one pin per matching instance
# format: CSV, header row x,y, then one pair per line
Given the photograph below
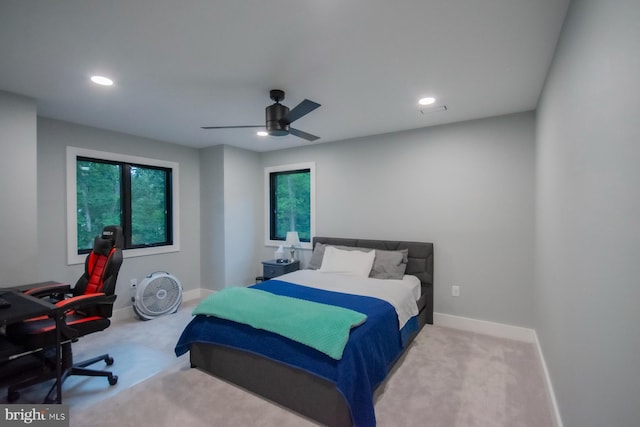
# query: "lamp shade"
x,y
292,238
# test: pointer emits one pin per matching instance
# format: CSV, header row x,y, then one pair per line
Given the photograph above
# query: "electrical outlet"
x,y
455,291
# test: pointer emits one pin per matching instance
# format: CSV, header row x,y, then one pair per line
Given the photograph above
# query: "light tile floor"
x,y
140,350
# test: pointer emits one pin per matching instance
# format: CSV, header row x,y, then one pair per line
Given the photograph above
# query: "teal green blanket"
x,y
323,327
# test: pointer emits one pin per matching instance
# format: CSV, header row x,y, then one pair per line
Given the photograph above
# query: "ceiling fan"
x,y
279,117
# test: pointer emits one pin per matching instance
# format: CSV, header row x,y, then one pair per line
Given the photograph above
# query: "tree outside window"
x,y
149,206
98,197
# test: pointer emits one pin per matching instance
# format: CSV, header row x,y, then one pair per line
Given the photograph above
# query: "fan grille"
x,y
160,295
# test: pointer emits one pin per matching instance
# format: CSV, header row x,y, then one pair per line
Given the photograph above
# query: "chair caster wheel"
x,y
12,396
109,360
113,380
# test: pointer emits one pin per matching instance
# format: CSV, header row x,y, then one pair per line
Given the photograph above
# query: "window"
x,y
290,202
136,193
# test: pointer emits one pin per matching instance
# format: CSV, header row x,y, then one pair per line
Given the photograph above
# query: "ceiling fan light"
x,y
427,100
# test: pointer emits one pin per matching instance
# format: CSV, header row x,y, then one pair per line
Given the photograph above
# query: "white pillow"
x,y
349,262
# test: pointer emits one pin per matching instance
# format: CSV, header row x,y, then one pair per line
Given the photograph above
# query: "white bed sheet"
x,y
401,294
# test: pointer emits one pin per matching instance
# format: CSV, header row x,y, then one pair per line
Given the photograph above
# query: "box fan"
x,y
158,294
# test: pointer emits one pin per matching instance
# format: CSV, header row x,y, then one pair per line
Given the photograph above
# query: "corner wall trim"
x,y
500,330
547,380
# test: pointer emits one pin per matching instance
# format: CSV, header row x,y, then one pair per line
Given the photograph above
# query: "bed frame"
x,y
298,390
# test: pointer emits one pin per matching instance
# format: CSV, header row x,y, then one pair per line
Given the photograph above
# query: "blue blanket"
x,y
321,326
368,356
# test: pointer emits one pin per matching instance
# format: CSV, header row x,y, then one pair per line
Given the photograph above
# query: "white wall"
x,y
18,190
588,216
466,187
53,138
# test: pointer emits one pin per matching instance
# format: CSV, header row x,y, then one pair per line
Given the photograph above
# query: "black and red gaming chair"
x,y
87,308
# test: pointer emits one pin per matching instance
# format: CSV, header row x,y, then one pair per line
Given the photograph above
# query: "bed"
x,y
334,392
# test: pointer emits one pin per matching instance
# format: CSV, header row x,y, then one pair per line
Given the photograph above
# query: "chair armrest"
x,y
49,290
88,300
78,303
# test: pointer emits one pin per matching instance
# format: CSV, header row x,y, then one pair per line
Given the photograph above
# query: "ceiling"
x,y
180,65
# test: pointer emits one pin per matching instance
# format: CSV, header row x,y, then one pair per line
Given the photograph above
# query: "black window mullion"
x,y
127,226
273,177
169,206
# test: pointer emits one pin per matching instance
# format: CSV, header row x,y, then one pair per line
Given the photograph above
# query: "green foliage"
x,y
148,206
293,204
98,199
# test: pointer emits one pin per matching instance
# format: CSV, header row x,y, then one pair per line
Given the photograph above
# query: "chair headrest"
x,y
102,246
113,234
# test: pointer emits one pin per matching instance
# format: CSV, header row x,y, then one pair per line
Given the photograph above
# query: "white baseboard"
x,y
500,330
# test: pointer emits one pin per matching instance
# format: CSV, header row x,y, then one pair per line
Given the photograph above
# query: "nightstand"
x,y
271,268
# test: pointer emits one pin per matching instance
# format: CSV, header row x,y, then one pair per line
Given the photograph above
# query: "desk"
x,y
22,307
23,288
25,307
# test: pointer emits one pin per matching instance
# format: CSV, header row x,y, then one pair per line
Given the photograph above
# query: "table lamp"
x,y
292,241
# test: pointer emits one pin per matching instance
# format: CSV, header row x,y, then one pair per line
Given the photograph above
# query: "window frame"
x,y
267,200
73,153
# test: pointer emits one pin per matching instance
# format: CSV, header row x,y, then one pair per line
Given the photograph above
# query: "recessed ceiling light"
x,y
102,81
427,101
262,133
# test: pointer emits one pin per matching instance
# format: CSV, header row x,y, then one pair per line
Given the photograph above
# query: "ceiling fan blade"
x,y
231,127
302,109
303,135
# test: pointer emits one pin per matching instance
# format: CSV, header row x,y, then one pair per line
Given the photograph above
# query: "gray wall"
x,y
18,190
212,254
243,213
588,216
466,187
232,216
53,138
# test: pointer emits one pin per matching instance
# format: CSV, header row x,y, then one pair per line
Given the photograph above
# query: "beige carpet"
x,y
447,378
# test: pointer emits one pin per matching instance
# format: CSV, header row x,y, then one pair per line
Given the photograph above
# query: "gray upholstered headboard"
x,y
420,261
